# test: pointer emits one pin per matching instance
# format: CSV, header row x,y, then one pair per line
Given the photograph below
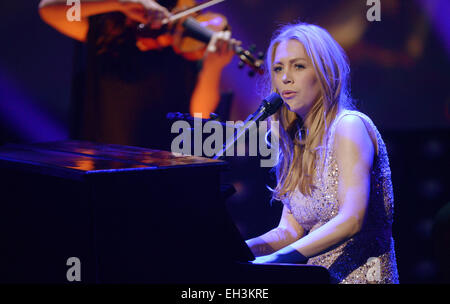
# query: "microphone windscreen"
x,y
274,102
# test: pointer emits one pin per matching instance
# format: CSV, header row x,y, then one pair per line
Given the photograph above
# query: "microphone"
x,y
268,107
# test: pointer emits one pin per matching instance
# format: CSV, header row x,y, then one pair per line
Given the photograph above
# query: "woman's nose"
x,y
286,77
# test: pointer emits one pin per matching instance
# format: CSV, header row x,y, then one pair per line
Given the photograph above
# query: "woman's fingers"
x,y
220,50
136,13
222,43
212,45
145,11
156,12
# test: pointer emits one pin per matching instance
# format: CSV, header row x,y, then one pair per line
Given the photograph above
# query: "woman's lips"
x,y
288,94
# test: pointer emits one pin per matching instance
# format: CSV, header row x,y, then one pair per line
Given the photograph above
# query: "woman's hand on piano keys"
x,y
287,255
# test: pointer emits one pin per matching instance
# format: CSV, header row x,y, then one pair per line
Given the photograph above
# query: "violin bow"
x,y
186,12
190,11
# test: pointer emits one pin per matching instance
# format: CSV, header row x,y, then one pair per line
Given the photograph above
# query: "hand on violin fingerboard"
x,y
220,50
145,11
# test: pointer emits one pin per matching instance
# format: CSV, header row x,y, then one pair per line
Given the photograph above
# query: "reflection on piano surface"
x,y
130,214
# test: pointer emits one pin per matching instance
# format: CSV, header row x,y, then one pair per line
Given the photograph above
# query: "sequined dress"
x,y
369,256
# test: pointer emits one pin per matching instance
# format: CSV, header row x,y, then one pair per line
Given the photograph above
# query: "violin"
x,y
194,29
151,39
189,33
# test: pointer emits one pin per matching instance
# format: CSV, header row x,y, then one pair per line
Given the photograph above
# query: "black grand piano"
x,y
127,214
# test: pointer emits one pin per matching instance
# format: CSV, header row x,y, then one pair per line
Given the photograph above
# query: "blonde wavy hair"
x,y
299,148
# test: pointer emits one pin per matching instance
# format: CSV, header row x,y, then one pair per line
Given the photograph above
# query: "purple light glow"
x,y
438,12
215,22
18,111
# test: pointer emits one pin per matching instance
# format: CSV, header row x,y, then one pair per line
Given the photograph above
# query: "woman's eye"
x,y
277,69
299,66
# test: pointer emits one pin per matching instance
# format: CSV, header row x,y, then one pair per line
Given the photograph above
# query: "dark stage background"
x,y
400,79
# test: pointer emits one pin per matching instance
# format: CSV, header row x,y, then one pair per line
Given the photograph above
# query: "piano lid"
x,y
82,157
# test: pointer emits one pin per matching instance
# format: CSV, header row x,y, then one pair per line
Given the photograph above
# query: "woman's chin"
x,y
291,108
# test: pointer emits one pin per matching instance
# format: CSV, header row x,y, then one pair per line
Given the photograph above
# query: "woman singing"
x,y
333,173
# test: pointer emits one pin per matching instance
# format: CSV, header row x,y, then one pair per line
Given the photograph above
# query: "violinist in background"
x,y
124,86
